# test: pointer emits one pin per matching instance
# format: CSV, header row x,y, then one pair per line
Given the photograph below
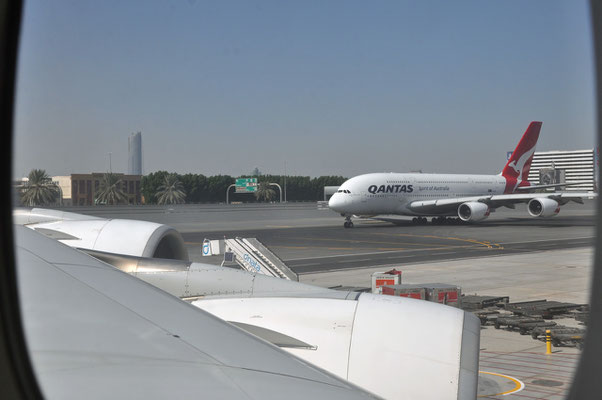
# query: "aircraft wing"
x,y
443,206
96,332
549,186
291,320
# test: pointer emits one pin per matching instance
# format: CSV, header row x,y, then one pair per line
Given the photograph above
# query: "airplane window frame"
x,y
585,385
16,370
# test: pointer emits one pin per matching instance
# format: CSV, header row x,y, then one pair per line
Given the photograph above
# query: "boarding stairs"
x,y
254,257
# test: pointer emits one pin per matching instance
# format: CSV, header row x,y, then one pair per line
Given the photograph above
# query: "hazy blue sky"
x,y
330,87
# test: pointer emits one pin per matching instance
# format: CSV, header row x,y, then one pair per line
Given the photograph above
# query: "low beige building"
x,y
81,189
64,184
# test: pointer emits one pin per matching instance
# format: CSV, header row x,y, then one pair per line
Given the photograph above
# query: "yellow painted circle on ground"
x,y
518,385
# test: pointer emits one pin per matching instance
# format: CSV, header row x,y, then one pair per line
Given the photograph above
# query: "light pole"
x,y
285,181
227,191
279,187
110,164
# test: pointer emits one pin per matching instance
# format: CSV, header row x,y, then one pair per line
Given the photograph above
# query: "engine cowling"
x,y
473,211
543,207
429,350
130,237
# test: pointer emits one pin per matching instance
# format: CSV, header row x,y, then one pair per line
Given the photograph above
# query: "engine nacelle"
x,y
121,236
473,211
384,344
543,207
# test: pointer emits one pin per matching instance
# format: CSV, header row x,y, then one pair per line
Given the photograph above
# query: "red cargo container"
x,y
411,291
380,279
443,293
435,292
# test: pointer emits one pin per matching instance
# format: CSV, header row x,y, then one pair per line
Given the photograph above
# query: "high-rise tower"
x,y
135,154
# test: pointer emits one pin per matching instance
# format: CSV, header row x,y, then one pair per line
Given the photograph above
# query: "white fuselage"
x,y
391,193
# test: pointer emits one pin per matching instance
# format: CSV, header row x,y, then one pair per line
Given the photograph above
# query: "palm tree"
x,y
40,189
111,191
171,191
264,192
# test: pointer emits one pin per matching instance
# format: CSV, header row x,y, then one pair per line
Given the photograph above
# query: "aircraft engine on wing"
x,y
390,346
130,237
135,238
360,337
473,211
543,207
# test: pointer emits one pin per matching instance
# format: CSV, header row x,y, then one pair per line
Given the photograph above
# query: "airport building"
x,y
566,166
81,189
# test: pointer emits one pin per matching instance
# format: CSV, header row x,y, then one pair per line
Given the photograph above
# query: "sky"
x,y
311,88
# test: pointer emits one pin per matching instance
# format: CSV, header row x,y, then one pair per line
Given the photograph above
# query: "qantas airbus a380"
x,y
469,197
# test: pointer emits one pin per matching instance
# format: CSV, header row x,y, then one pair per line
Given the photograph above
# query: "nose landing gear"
x,y
348,223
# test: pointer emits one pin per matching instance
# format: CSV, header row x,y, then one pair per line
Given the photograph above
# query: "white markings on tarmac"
x,y
342,255
408,256
549,240
307,265
438,253
377,253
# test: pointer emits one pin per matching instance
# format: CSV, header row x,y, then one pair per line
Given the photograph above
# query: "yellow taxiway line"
x,y
517,388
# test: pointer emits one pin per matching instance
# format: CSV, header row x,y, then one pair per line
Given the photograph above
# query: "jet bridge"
x,y
254,257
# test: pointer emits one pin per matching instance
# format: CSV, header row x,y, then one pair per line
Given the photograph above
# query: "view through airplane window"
x,y
367,187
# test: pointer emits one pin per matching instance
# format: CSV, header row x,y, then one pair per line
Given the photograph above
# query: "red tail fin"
x,y
517,168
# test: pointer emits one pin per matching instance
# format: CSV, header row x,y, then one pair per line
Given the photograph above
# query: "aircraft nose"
x,y
336,202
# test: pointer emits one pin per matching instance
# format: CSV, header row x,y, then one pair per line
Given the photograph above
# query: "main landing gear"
x,y
446,221
437,221
348,223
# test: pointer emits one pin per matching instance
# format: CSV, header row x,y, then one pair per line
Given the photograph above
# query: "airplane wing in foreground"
x,y
96,332
87,322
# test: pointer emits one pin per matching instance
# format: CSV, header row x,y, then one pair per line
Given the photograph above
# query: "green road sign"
x,y
246,181
246,185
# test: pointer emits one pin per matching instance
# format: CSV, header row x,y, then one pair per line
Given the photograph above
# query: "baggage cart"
x,y
540,332
474,302
526,327
543,308
513,321
568,339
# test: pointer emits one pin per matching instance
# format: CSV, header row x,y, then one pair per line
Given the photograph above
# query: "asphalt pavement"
x,y
311,240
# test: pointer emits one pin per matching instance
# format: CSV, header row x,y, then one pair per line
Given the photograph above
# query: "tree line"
x,y
199,188
40,190
163,187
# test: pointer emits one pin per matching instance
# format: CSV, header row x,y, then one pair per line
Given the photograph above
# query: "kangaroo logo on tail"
x,y
520,165
517,169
